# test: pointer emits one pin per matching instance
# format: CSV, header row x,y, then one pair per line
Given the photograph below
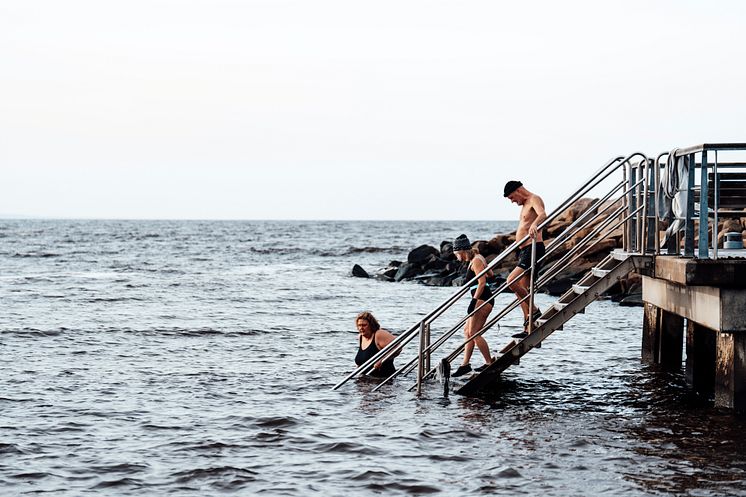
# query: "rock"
x,y
406,271
359,272
446,250
434,262
633,300
439,280
500,243
389,272
603,247
568,276
438,267
420,254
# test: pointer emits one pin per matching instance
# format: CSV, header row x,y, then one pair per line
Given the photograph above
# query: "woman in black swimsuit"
x,y
373,339
480,293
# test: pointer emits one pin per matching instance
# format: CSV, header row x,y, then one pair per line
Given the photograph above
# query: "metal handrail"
x,y
704,166
543,281
398,343
641,185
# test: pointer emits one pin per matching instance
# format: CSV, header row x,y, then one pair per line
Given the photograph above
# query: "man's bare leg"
x,y
520,288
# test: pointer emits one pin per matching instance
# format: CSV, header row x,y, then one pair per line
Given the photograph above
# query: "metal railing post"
x,y
703,249
647,222
421,358
625,235
631,206
531,285
689,211
715,206
657,179
426,350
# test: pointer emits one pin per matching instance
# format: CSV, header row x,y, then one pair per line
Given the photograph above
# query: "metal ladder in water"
x,y
633,192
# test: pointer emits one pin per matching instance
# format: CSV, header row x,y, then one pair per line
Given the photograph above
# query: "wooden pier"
x,y
704,300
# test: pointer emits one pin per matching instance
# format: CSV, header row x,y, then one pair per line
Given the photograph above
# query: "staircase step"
x,y
579,289
619,255
600,273
558,306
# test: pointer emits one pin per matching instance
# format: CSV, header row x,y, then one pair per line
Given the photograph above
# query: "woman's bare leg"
x,y
469,349
477,322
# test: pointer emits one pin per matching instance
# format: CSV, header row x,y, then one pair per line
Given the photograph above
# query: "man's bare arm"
x,y
537,204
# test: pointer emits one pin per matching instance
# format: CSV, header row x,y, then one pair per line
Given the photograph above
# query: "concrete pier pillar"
x,y
730,371
700,358
662,338
650,334
672,340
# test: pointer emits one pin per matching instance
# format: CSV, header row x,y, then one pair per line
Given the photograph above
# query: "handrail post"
x,y
427,347
531,285
703,249
689,227
646,221
420,358
657,180
631,206
715,207
639,202
625,237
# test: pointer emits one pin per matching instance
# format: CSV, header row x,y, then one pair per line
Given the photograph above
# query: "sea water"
x,y
197,358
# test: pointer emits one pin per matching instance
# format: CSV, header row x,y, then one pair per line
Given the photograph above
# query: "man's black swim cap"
x,y
511,186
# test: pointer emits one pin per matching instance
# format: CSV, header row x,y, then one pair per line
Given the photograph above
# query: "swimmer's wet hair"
x,y
372,321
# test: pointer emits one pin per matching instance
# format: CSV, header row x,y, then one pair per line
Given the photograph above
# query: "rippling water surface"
x,y
196,358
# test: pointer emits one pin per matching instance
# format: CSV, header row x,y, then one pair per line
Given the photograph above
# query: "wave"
x,y
222,477
35,254
394,249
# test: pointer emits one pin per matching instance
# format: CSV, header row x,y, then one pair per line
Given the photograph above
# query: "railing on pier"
x,y
713,189
631,204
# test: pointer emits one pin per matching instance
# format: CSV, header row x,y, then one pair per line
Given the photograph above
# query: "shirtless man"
x,y
532,215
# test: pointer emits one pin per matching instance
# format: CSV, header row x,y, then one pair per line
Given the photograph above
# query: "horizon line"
x,y
41,218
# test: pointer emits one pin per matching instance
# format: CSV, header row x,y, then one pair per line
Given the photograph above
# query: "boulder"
x,y
434,262
359,272
406,271
632,300
446,250
389,272
420,254
500,243
483,247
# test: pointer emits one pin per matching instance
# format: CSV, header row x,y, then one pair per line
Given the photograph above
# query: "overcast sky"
x,y
316,109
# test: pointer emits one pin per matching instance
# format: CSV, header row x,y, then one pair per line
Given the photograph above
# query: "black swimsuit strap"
x,y
372,340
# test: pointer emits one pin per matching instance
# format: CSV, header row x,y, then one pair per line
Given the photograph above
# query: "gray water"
x,y
196,358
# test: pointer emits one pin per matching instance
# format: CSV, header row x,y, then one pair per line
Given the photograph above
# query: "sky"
x,y
344,109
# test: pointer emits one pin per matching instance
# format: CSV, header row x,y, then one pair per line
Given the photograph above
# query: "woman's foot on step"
x,y
462,370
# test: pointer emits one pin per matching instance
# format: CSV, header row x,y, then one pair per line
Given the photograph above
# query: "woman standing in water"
x,y
373,339
480,293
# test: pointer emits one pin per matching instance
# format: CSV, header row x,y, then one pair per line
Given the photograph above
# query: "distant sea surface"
x,y
197,358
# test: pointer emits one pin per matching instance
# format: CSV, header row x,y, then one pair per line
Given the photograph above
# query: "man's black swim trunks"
x,y
524,255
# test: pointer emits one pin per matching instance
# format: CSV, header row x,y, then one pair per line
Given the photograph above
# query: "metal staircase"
x,y
622,204
595,282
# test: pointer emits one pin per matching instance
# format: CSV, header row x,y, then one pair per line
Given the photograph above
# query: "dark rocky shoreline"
x,y
434,266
